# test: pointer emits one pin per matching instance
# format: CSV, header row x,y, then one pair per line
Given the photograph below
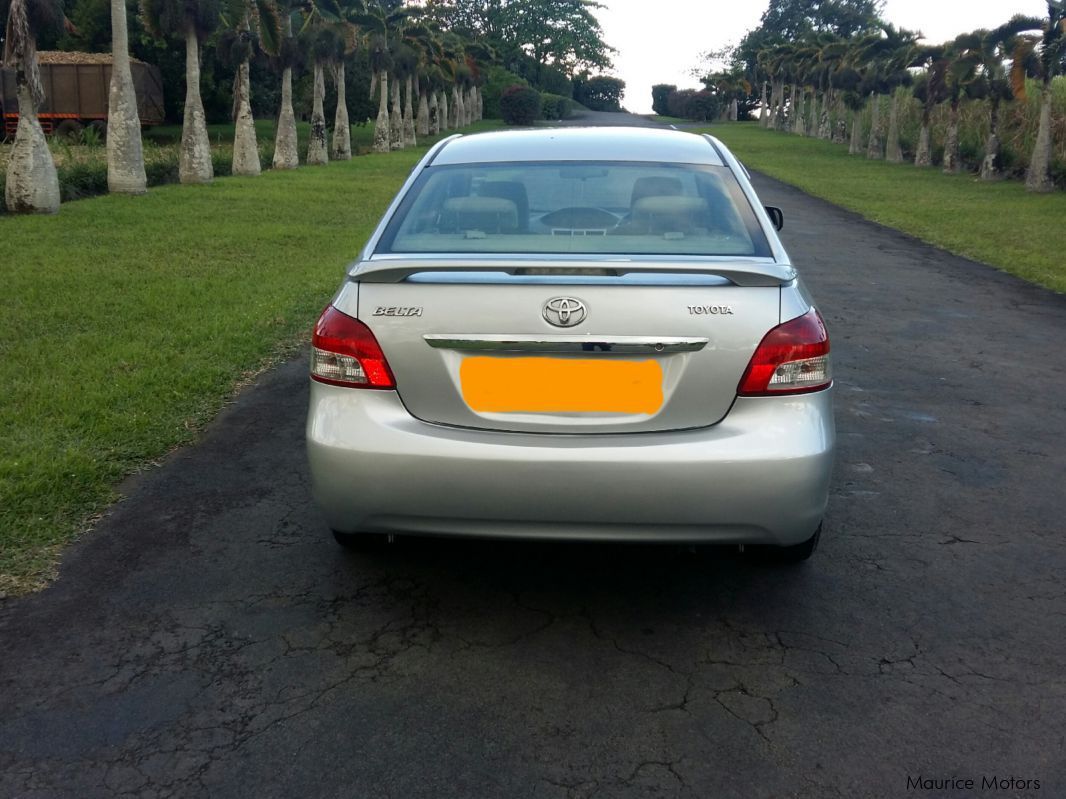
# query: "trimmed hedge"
x,y
555,106
520,105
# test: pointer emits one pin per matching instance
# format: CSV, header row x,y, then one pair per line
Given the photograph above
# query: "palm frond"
x,y
270,28
1022,53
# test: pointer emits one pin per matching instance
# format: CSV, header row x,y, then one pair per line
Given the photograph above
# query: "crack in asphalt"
x,y
209,640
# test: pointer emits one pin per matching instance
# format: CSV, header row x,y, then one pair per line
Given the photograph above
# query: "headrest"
x,y
654,186
491,214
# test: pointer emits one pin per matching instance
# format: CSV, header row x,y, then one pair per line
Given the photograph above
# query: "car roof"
x,y
655,145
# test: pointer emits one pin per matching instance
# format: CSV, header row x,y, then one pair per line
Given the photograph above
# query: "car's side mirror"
x,y
776,216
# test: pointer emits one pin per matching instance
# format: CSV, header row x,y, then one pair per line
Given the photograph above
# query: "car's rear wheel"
x,y
797,553
361,542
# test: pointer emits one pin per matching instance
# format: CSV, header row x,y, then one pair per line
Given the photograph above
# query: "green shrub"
x,y
496,81
703,106
599,92
520,105
82,171
555,106
82,179
660,95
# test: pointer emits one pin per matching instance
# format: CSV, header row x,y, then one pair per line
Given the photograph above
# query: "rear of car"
x,y
589,334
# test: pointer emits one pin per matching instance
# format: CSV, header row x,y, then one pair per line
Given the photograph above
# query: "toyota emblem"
x,y
565,311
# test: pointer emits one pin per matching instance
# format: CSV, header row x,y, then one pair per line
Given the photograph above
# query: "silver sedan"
x,y
588,334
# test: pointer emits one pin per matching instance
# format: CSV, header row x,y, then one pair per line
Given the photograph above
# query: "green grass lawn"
x,y
127,322
999,223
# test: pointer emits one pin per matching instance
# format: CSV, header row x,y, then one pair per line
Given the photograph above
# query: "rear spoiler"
x,y
739,271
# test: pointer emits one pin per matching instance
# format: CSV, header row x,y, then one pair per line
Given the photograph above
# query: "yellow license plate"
x,y
543,385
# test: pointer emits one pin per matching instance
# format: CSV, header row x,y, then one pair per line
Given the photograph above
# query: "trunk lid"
x,y
651,352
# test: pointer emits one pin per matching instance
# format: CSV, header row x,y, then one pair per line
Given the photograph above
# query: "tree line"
x,y
427,64
837,71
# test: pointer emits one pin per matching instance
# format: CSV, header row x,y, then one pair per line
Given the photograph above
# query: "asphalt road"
x,y
209,639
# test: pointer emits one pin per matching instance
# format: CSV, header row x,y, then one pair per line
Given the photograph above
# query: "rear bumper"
x,y
761,475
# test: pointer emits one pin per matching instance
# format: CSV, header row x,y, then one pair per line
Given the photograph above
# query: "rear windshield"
x,y
582,208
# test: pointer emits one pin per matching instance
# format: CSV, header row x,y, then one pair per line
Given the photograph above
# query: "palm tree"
x,y
424,41
1051,51
194,20
898,53
849,82
888,54
241,20
290,55
341,147
963,59
781,65
806,61
998,47
831,54
406,66
931,89
380,24
125,154
32,184
325,46
380,62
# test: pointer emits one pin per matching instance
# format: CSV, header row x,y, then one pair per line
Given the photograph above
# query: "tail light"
x,y
793,358
345,353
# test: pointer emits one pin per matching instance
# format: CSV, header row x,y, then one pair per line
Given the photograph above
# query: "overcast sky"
x,y
660,41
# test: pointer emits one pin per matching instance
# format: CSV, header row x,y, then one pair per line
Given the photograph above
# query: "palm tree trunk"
x,y
409,114
396,117
923,156
782,119
855,145
762,106
443,111
434,113
460,110
382,136
989,164
194,165
285,152
893,152
734,110
771,114
316,146
342,129
245,147
32,184
875,147
840,129
951,141
1038,175
812,117
824,126
125,155
422,126
796,111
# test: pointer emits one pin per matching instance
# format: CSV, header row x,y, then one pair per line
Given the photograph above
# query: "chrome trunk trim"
x,y
620,345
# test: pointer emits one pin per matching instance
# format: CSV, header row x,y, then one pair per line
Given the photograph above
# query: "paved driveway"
x,y
210,640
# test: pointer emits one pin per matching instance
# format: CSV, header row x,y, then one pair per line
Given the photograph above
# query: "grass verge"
x,y
998,223
128,321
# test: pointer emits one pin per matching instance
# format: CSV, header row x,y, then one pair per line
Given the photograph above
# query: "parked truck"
x,y
76,86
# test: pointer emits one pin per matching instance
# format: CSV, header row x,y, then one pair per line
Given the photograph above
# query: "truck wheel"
x,y
100,126
69,129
